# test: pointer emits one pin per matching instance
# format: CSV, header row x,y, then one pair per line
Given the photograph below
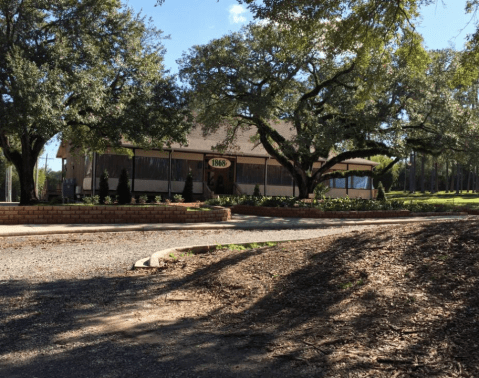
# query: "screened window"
x,y
250,173
180,169
279,175
151,168
340,183
359,182
113,164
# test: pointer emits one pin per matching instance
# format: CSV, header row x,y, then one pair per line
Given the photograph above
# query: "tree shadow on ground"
x,y
400,301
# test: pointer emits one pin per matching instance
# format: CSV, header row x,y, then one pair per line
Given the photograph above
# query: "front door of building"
x,y
220,180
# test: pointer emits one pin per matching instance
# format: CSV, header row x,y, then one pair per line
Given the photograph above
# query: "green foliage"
x,y
104,187
188,190
358,204
123,189
143,199
91,72
388,178
158,199
256,191
422,207
178,198
108,200
91,200
320,191
330,204
343,104
381,193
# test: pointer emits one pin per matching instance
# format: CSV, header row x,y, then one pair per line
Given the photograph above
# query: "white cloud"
x,y
236,14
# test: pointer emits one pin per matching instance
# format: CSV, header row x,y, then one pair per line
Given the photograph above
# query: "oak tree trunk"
x,y
24,162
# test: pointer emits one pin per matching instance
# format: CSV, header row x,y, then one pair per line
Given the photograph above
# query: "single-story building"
x,y
236,171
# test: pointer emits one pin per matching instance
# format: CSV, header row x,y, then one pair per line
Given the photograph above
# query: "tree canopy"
x,y
91,71
339,108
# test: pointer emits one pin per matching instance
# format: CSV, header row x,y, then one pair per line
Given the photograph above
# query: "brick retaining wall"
x,y
109,214
307,212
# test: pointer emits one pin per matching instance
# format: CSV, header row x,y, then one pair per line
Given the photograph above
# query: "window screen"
x,y
340,183
279,175
180,169
250,173
359,182
113,164
151,168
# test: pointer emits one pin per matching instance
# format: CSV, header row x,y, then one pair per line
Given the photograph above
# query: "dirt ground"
x,y
398,301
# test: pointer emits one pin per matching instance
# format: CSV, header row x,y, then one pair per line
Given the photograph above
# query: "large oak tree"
x,y
89,70
340,104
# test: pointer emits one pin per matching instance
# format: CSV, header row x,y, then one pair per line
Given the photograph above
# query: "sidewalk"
x,y
242,222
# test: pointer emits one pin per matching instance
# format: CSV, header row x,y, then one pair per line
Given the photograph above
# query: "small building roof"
x,y
200,143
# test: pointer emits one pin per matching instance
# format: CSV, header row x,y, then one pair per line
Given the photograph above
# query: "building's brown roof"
x,y
197,142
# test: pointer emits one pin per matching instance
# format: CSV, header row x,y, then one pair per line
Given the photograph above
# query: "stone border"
x,y
154,260
308,212
109,214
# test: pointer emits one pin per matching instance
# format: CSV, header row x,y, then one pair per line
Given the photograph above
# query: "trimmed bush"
x,y
256,191
381,193
104,188
123,189
188,190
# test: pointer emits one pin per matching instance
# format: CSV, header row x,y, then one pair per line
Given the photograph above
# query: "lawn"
x,y
471,200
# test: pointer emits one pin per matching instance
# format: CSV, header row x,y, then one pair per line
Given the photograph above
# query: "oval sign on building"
x,y
219,163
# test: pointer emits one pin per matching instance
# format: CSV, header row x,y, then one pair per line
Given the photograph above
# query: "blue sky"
x,y
193,22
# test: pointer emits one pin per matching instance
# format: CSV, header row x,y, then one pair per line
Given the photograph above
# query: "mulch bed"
x,y
394,302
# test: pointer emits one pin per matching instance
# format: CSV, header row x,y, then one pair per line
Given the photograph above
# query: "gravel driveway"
x,y
52,257
69,307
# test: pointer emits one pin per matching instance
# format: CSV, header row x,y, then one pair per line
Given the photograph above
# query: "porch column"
x,y
265,174
133,171
169,174
93,175
347,181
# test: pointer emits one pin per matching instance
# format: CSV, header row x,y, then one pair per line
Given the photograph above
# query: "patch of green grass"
x,y
198,209
470,200
238,247
346,285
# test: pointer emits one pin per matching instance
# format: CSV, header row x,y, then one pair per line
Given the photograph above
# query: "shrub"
x,y
188,190
104,188
421,207
108,200
381,193
123,188
256,191
178,198
89,200
143,199
320,191
56,201
158,199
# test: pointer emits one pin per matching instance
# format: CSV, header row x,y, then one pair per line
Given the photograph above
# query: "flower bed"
x,y
109,214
